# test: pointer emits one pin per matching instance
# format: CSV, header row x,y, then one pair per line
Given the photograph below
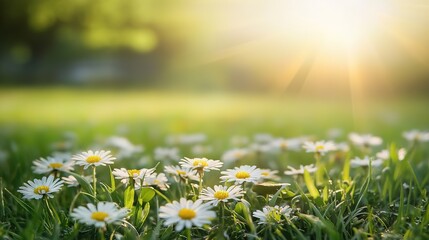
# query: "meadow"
x,y
343,196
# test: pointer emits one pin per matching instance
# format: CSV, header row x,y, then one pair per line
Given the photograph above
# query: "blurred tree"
x,y
40,37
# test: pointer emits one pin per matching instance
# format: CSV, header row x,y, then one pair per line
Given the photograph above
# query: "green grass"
x,y
357,203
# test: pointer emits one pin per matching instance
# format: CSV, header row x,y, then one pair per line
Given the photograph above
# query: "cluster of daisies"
x,y
196,202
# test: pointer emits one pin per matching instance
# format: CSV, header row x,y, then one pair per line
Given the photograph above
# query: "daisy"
x,y
186,213
39,188
100,215
263,138
199,150
364,162
234,155
166,154
242,174
385,154
416,136
136,174
124,146
181,173
186,139
267,174
365,140
73,182
238,141
319,147
158,180
52,164
292,171
272,215
91,158
282,144
201,164
221,194
342,146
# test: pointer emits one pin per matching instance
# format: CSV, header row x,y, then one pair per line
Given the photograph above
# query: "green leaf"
x,y
145,212
346,170
85,184
325,194
112,180
243,210
24,205
275,196
309,182
268,188
146,194
129,196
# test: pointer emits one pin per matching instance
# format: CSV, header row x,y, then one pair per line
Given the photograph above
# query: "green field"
x,y
33,120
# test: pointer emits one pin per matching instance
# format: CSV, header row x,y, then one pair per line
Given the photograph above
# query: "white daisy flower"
x,y
100,215
73,182
268,174
186,139
272,215
51,164
342,146
137,174
263,138
282,144
242,174
334,133
221,194
39,188
292,171
239,141
124,146
166,154
365,140
199,150
385,154
320,147
159,180
181,173
93,158
416,136
364,162
234,155
186,213
261,147
201,164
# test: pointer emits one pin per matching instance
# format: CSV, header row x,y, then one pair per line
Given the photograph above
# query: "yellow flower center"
x,y
56,165
93,159
187,214
238,154
133,172
242,174
180,172
41,190
99,216
221,194
320,147
200,163
265,174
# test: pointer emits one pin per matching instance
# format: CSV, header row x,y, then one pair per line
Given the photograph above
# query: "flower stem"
x,y
101,233
188,233
319,171
52,211
94,182
201,173
222,214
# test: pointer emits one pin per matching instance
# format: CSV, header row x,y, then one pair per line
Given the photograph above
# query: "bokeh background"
x,y
287,66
